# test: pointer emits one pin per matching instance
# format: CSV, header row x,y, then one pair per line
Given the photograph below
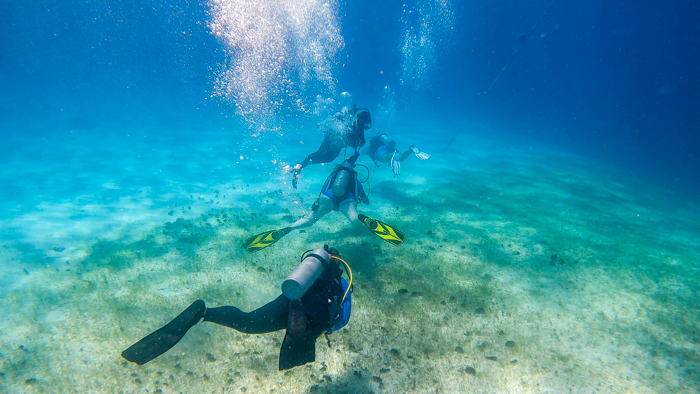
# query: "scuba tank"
x,y
343,176
304,276
386,141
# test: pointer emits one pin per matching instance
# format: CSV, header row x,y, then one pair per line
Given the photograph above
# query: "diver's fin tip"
x,y
383,230
265,239
163,339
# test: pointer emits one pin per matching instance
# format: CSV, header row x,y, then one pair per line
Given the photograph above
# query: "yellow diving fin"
x,y
263,240
383,230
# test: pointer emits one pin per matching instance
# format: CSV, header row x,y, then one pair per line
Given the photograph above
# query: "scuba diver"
x,y
352,133
381,148
315,299
341,192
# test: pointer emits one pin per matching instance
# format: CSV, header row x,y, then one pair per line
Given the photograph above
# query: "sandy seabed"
x,y
522,271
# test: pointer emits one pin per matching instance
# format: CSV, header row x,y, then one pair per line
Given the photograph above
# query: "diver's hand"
x,y
419,154
395,164
295,175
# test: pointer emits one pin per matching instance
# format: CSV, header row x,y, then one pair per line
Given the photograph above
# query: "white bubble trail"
x,y
427,27
281,53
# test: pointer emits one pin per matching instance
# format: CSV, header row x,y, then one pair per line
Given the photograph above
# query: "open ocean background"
x,y
117,118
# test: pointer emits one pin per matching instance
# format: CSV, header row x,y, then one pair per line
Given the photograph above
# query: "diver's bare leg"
x,y
325,205
349,209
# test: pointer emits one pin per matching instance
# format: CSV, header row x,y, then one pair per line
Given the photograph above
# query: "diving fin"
x,y
263,240
165,338
299,345
383,230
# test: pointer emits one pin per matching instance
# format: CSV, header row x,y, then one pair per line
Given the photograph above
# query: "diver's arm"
x,y
352,159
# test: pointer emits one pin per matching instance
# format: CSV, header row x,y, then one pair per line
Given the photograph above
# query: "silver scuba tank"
x,y
342,178
301,279
386,141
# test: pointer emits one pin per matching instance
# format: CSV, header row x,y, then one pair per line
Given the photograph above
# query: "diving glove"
x,y
395,164
419,154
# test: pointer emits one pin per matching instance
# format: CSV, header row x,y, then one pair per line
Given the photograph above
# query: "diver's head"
x,y
332,251
363,119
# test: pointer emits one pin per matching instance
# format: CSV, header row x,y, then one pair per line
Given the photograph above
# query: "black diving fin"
x,y
383,230
165,338
299,345
263,240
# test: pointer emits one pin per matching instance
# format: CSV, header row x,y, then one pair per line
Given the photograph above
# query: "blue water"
x,y
113,114
612,81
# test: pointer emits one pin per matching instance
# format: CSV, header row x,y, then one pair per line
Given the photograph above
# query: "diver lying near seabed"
x,y
341,192
315,299
383,149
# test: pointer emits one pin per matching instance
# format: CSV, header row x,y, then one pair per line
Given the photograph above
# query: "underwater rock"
x,y
492,358
480,311
58,249
244,389
328,378
394,352
30,381
561,261
171,213
376,379
470,370
459,350
416,294
514,361
211,358
384,370
510,344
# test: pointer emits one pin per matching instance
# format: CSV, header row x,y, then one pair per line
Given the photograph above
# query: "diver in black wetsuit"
x,y
358,120
315,300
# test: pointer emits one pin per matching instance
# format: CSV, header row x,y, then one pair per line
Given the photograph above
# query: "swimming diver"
x,y
383,149
356,121
341,192
315,299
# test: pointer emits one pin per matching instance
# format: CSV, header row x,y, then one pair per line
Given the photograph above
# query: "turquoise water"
x,y
538,257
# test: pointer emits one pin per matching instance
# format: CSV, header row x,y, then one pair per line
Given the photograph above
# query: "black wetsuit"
x,y
305,320
273,315
332,143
